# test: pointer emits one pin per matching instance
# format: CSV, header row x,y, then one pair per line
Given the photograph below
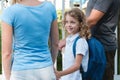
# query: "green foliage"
x,y
59,58
59,19
59,62
59,15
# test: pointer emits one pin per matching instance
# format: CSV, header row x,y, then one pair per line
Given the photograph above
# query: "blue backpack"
x,y
97,60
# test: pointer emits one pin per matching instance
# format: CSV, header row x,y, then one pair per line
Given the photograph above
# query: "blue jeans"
x,y
46,73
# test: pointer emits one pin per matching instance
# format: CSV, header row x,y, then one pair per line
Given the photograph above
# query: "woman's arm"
x,y
6,48
73,68
54,39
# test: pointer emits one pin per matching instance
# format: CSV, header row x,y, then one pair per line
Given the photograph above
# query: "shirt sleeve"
x,y
82,46
54,12
102,5
7,17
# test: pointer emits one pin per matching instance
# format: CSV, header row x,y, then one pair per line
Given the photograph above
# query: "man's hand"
x,y
61,44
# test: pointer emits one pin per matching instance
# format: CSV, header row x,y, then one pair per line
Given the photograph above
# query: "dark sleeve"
x,y
102,5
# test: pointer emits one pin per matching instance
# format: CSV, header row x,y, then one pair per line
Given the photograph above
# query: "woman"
x,y
27,26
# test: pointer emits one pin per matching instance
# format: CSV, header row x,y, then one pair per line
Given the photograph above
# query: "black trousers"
x,y
109,71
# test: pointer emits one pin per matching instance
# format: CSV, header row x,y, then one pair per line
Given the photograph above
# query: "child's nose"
x,y
69,24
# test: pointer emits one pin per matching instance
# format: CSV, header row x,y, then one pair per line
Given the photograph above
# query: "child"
x,y
75,25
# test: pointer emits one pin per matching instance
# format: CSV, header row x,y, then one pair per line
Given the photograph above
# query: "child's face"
x,y
71,25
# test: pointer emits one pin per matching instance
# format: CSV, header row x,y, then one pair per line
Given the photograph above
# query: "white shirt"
x,y
68,57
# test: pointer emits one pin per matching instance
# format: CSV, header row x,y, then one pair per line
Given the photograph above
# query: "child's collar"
x,y
72,36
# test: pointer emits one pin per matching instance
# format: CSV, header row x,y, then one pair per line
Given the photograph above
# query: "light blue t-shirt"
x,y
31,30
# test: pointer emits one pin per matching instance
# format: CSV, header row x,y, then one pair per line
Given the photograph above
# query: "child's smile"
x,y
71,25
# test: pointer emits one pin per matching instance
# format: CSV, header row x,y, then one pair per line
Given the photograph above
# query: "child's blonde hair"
x,y
77,14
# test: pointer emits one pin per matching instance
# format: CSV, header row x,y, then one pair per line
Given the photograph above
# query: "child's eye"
x,y
72,22
66,22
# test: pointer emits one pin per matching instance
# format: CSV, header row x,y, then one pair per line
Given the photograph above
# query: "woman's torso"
x,y
31,29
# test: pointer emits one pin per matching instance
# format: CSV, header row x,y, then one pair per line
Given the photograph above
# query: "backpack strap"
x,y
74,46
74,52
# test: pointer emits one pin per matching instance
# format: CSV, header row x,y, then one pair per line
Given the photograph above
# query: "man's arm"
x,y
94,17
54,40
61,44
6,49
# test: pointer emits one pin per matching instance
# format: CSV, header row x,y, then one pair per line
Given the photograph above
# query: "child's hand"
x,y
61,44
58,75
